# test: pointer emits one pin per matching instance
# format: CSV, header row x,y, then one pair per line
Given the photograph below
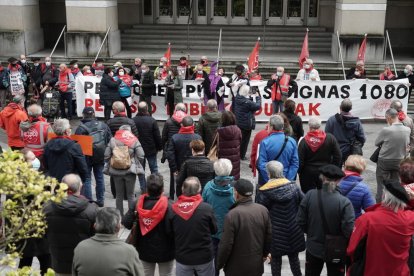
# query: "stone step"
x,y
134,45
226,27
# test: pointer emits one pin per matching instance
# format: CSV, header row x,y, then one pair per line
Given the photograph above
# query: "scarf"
x,y
186,130
185,206
401,116
315,139
148,219
74,70
199,76
126,79
178,116
349,173
14,68
120,114
126,137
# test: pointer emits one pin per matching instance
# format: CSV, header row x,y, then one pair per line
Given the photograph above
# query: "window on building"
x,y
183,7
147,7
294,8
313,8
166,8
257,8
220,8
275,8
238,7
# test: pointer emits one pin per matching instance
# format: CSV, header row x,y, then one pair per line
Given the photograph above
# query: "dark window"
x,y
166,8
275,8
238,8
147,7
220,8
257,8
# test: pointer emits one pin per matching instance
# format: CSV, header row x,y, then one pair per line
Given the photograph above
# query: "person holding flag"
x,y
358,72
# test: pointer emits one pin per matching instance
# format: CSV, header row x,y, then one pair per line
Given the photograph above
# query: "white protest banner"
x,y
370,98
16,83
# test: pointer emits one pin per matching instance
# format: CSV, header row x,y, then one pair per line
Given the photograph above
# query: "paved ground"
x,y
371,130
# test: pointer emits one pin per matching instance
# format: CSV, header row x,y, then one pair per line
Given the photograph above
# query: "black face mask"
x,y
239,73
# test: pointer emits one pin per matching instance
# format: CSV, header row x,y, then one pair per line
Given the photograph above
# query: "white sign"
x,y
370,98
16,83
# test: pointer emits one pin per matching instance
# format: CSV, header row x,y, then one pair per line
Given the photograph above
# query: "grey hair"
x,y
346,105
392,113
244,90
118,106
125,127
212,104
391,202
314,123
409,67
223,167
397,105
309,61
180,107
34,110
276,122
60,126
73,181
191,186
107,221
274,169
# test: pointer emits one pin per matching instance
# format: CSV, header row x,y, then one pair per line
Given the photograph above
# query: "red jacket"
x,y
10,119
255,147
388,243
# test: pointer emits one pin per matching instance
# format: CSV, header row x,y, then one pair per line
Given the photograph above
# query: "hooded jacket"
x,y
10,119
179,149
229,147
62,156
108,91
244,109
207,127
69,223
148,133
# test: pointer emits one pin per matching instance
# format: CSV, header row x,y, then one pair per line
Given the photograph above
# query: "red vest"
x,y
64,80
283,85
35,138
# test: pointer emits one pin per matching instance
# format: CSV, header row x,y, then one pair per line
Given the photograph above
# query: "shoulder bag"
x,y
374,157
283,147
213,153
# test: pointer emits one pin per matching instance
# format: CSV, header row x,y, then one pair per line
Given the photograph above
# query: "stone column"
x,y
87,24
20,31
353,19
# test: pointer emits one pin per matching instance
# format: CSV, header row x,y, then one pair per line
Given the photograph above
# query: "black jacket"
x,y
296,123
170,128
118,120
205,84
351,74
148,133
244,109
193,244
63,156
157,246
207,127
69,223
108,90
147,84
199,166
179,149
36,74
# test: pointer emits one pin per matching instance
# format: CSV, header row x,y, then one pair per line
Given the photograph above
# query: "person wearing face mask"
x,y
66,86
147,86
74,67
217,86
86,71
308,72
357,72
108,93
36,77
237,80
281,86
50,73
124,88
10,118
98,67
136,69
15,78
174,94
184,69
408,74
117,65
205,63
161,71
201,76
387,74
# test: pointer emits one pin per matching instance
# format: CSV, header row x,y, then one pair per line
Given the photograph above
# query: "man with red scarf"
x,y
405,119
193,223
10,119
387,74
281,86
98,67
184,69
15,78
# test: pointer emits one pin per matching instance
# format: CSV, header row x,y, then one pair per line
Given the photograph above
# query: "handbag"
x,y
213,153
374,157
335,245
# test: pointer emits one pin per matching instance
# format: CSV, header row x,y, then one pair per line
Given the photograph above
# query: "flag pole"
x,y
392,55
103,41
218,51
54,48
340,54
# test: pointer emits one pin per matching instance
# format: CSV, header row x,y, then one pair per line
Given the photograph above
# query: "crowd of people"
x,y
309,184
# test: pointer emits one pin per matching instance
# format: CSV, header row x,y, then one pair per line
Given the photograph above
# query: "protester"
x,y
308,72
147,86
66,86
171,127
120,118
31,159
282,198
244,109
246,238
208,124
105,254
98,67
294,120
69,222
357,72
408,74
229,141
406,174
193,223
86,71
353,187
101,135
3,89
316,150
237,80
202,77
328,207
50,73
174,84
405,119
136,69
254,155
27,70
217,87
123,157
387,74
394,141
108,93
10,118
281,86
62,155
287,128
278,146
197,165
161,71
347,129
218,192
184,69
179,145
206,64
124,88
35,78
74,68
116,66
154,240
389,223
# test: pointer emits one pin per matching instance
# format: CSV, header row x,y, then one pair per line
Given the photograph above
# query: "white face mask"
x,y
357,73
200,71
306,66
48,63
279,74
161,64
144,71
99,64
88,71
121,73
75,66
36,164
36,64
23,61
170,73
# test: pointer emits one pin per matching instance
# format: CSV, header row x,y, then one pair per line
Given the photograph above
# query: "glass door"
x,y
183,11
147,8
165,12
275,11
294,15
285,12
239,11
219,12
257,12
201,9
313,12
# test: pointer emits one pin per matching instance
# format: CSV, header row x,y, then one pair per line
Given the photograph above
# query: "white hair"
x,y
180,107
223,167
244,90
309,61
276,122
391,202
314,122
409,67
274,169
34,110
61,126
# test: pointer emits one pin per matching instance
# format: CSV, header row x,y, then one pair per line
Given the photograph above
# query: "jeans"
x,y
66,97
100,183
386,169
246,133
164,269
277,106
314,266
276,265
44,260
152,164
207,269
124,183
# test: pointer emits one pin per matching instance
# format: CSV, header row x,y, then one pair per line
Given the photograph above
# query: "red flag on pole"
x,y
167,55
305,50
362,50
253,61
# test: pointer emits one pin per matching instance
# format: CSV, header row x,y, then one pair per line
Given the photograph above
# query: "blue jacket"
x,y
124,90
269,149
244,110
360,196
220,197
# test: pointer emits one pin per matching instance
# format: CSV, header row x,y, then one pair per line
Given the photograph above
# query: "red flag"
x,y
362,50
305,51
253,61
167,55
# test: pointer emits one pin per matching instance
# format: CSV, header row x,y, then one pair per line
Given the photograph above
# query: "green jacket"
x,y
177,90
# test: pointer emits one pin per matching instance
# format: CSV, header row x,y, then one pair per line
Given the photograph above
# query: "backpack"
x,y
50,105
120,158
97,131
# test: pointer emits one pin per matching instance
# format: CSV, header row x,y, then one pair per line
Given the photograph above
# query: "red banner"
x,y
305,51
253,62
362,50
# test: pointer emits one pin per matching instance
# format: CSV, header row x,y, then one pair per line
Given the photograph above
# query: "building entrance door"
x,y
165,11
285,12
